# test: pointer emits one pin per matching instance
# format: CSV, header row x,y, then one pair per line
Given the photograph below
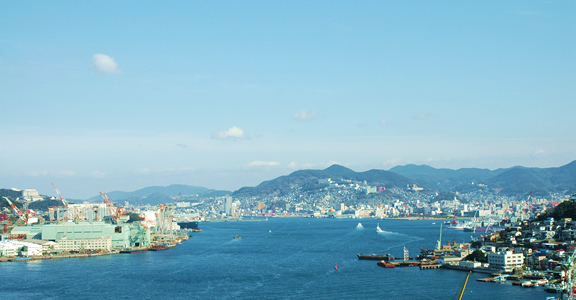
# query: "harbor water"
x,y
278,258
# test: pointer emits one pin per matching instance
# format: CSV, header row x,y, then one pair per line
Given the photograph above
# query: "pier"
x,y
434,266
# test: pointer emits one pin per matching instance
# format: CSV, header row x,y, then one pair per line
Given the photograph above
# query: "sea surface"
x,y
278,258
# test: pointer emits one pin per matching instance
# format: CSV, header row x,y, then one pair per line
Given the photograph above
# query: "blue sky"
x,y
120,95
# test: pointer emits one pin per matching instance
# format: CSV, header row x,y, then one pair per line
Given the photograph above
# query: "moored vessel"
x,y
380,257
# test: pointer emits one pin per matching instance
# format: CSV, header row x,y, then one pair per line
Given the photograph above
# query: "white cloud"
x,y
62,173
259,163
232,133
303,115
538,153
97,174
105,64
422,116
383,122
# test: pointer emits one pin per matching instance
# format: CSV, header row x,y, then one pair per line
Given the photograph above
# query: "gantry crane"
x,y
115,212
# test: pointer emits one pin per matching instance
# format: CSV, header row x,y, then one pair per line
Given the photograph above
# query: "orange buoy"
x,y
335,266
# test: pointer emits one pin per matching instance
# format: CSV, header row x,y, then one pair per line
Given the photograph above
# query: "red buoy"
x,y
335,266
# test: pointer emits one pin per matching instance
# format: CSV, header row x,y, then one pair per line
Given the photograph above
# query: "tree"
x,y
476,244
566,209
477,255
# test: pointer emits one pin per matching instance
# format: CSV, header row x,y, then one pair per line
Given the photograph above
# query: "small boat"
x,y
237,237
379,257
378,229
359,225
196,229
23,258
159,247
133,250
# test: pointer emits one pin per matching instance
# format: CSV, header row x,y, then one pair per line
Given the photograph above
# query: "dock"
x,y
434,266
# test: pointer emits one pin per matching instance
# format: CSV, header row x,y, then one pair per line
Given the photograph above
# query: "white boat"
x,y
378,229
359,225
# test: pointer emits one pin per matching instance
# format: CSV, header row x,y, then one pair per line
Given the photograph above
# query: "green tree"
x,y
478,256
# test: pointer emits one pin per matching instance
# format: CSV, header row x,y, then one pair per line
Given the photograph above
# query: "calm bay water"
x,y
282,258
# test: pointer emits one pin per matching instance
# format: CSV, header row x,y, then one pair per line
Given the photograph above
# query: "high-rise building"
x,y
228,206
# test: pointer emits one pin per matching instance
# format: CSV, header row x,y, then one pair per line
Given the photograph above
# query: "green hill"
x,y
151,195
511,181
306,178
444,179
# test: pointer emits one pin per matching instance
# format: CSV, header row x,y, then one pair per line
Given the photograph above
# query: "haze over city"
x,y
104,96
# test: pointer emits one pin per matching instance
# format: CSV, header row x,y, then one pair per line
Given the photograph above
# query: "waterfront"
x,y
284,258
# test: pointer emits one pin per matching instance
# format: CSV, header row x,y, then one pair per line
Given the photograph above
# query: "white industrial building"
x,y
16,248
506,261
67,245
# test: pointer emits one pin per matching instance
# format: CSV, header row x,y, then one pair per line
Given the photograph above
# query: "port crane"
x,y
22,216
68,212
115,212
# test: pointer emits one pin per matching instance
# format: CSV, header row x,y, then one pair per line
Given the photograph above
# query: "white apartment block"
x,y
506,261
31,195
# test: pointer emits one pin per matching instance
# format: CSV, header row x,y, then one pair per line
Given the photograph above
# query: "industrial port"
x,y
90,229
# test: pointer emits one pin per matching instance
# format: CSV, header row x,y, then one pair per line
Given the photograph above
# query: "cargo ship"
x,y
188,225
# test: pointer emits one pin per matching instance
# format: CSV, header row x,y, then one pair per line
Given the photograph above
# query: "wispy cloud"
x,y
164,172
259,163
60,173
105,64
383,122
422,116
303,115
181,146
232,133
97,174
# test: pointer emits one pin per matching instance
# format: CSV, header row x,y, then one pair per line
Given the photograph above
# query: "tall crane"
x,y
22,216
60,195
68,214
115,212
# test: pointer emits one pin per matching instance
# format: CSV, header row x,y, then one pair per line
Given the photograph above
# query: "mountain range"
x,y
155,195
509,181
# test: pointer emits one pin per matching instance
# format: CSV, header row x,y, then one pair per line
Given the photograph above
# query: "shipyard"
x,y
89,229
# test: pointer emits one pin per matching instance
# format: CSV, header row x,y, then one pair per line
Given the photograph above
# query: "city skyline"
x,y
119,96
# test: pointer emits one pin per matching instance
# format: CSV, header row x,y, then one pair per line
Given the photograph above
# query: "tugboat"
x,y
159,247
380,257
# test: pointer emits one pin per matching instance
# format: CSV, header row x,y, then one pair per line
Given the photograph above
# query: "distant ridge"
x,y
154,195
510,181
284,184
444,179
